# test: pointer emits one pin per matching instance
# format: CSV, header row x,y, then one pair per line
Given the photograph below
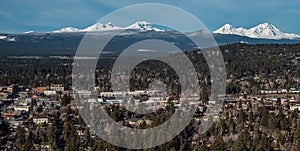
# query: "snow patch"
x,y
12,39
29,32
3,37
67,29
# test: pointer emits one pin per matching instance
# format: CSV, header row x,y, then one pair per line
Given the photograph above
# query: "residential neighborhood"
x,y
44,108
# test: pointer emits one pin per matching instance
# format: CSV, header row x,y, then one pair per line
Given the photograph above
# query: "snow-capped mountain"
x,y
261,31
141,26
29,32
3,37
229,29
67,29
66,42
8,38
264,31
101,27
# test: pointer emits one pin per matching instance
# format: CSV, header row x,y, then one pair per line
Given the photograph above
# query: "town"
x,y
42,109
260,109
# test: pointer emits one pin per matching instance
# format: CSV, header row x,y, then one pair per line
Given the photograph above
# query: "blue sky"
x,y
46,15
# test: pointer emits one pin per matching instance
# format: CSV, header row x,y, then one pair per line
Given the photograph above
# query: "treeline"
x,y
249,68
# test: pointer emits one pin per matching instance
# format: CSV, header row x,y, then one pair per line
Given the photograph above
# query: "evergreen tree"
x,y
21,139
242,142
28,146
218,144
296,137
265,143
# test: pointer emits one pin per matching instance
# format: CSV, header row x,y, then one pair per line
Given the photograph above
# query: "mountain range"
x,y
66,40
263,31
141,25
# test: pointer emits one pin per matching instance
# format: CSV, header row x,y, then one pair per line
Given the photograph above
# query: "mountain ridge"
x,y
140,25
263,31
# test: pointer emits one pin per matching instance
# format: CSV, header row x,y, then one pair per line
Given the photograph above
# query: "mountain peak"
x,y
229,29
67,29
29,32
266,26
101,27
144,26
140,25
228,26
264,30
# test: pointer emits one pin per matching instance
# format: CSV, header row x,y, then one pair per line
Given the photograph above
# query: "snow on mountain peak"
x,y
29,32
67,29
228,26
264,30
141,26
229,29
101,27
3,37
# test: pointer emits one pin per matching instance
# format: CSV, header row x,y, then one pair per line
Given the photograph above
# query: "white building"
x,y
292,108
57,87
40,120
21,108
49,92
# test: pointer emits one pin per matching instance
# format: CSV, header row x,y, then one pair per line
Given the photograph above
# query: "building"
x,y
49,92
138,121
297,107
40,120
57,87
294,90
22,108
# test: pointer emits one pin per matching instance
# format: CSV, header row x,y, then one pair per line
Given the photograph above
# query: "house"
x,y
41,102
49,92
21,108
231,102
23,95
284,91
270,91
57,87
39,90
23,103
114,101
294,90
10,89
40,120
112,94
14,124
10,115
138,121
3,95
296,107
91,100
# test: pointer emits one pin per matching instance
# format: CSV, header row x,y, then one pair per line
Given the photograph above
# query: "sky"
x,y
19,16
